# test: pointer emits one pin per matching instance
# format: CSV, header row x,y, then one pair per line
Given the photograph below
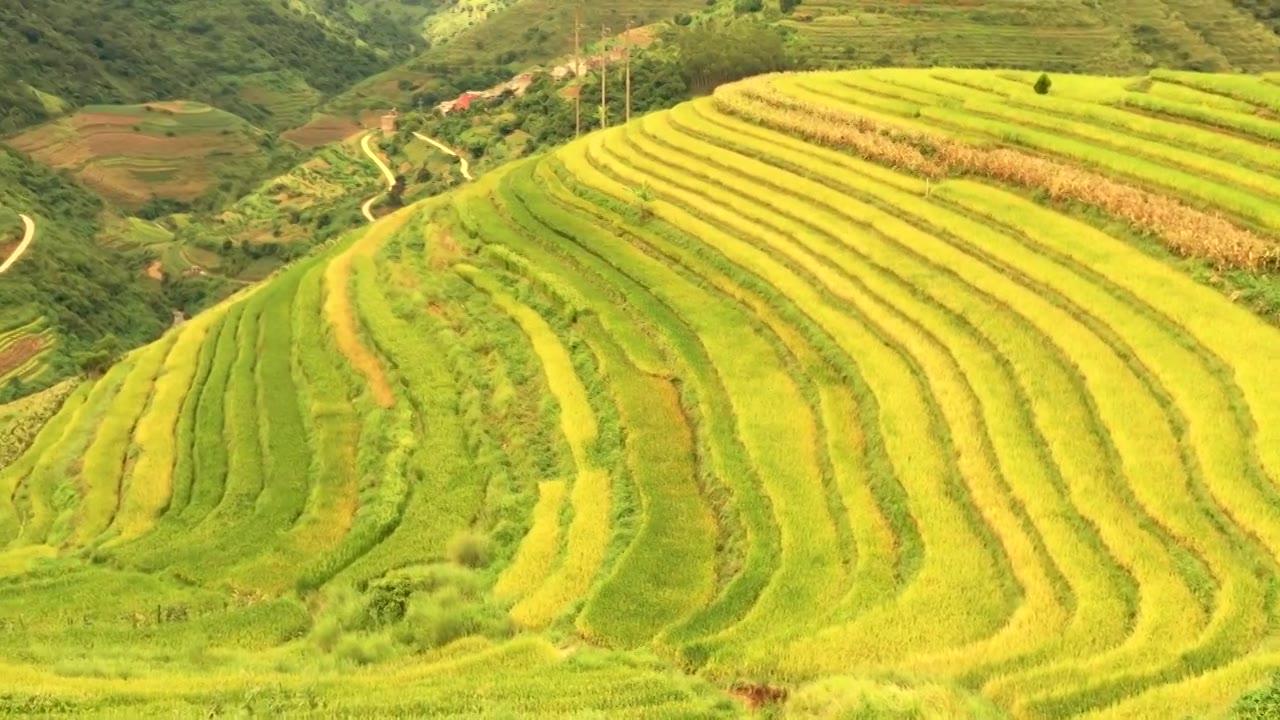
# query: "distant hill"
x,y
508,41
113,51
1054,35
1062,35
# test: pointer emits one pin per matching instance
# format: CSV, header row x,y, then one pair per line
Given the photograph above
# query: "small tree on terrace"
x,y
396,194
1043,83
97,359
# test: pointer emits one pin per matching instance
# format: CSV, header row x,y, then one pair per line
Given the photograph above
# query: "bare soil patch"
x,y
19,352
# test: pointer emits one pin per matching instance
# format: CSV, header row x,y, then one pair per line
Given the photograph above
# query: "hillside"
x,y
177,151
496,40
66,292
1064,35
846,393
129,51
508,41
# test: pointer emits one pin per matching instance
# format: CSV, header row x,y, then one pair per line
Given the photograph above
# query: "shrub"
x,y
469,549
1263,702
1043,83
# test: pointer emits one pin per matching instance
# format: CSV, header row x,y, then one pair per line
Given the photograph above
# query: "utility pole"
x,y
577,71
626,49
604,77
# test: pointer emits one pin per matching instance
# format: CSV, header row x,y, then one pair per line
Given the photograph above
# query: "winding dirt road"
x,y
466,172
22,247
386,173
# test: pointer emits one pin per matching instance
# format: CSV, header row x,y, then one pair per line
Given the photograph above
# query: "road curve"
x,y
386,173
466,172
22,246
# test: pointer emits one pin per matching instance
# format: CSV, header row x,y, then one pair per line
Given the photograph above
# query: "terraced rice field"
x,y
23,351
804,391
132,153
1069,35
280,100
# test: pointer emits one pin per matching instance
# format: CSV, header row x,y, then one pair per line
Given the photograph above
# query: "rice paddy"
x,y
1204,35
132,154
875,392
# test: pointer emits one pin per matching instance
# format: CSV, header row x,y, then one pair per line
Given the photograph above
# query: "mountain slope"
x,y
823,385
1062,35
75,291
183,151
121,51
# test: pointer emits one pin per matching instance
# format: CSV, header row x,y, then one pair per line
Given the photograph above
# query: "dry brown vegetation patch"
x,y
1183,229
322,130
757,696
13,356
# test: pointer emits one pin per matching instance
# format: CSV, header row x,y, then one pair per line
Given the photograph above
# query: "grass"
x,y
875,393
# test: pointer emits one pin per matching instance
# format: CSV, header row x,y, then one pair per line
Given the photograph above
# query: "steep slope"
x,y
897,391
126,51
186,152
66,292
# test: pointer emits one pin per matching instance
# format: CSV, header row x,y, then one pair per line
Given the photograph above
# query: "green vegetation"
x,y
275,100
121,52
1112,38
496,130
871,394
283,217
66,292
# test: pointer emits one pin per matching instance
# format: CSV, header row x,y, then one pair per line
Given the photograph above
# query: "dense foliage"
x,y
115,51
693,58
85,291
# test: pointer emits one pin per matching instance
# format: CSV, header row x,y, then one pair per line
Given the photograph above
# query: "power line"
x,y
604,77
627,50
577,71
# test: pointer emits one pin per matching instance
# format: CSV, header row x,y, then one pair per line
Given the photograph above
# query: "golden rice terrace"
x,y
879,392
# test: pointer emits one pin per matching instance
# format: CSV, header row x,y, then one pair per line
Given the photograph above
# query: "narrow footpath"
x,y
386,173
22,247
466,171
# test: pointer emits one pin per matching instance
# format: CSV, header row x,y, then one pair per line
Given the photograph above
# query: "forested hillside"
x,y
68,283
114,51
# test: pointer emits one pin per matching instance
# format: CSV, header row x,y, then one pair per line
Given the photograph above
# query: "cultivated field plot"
x,y
862,393
279,100
132,153
23,350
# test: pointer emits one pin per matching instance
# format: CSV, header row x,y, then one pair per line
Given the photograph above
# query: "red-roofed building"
x,y
464,101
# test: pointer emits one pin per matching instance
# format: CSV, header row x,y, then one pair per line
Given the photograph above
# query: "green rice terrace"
x,y
834,395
